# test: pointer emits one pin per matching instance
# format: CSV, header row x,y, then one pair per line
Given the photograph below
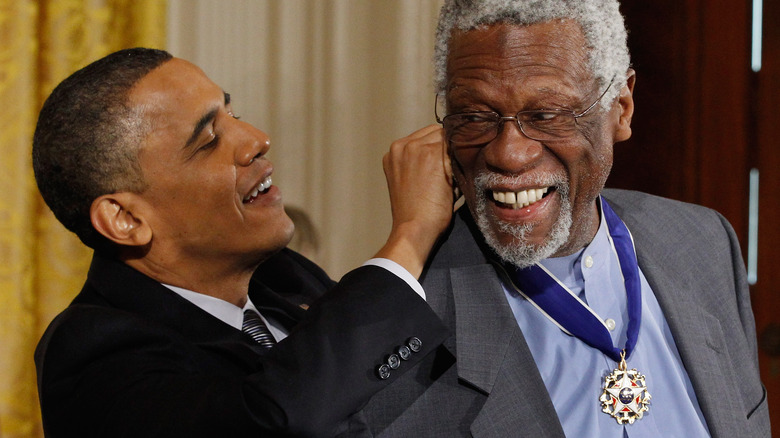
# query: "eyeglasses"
x,y
482,127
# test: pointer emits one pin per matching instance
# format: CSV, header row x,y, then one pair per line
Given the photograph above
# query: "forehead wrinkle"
x,y
503,83
529,57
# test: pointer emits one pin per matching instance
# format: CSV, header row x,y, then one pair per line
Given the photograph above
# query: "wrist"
x,y
409,245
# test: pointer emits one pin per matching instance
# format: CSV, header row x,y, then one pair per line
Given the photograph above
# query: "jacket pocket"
x,y
758,417
761,408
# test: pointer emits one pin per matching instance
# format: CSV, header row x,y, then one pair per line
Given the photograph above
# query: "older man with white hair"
x,y
575,311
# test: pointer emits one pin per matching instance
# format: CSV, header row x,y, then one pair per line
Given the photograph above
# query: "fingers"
x,y
434,136
419,156
419,179
430,135
447,160
425,131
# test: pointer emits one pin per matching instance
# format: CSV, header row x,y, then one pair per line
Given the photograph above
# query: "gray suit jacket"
x,y
483,381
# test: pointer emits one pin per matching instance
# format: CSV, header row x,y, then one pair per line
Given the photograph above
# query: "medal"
x,y
625,396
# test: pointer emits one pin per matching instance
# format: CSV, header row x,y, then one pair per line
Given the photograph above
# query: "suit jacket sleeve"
x,y
104,371
365,320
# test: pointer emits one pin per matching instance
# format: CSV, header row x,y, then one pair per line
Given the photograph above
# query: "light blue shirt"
x,y
574,372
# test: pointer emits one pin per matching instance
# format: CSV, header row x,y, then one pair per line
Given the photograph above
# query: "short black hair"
x,y
87,139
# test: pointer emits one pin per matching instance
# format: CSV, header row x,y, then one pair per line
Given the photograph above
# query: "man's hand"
x,y
419,178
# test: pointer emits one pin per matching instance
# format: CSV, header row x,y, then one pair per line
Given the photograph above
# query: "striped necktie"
x,y
256,328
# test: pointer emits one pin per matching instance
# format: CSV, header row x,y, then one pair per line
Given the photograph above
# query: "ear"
x,y
626,102
117,217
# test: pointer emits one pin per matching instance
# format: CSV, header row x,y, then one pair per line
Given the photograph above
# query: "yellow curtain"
x,y
42,266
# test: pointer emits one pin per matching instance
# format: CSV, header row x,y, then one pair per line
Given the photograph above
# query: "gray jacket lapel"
x,y
699,339
492,356
483,334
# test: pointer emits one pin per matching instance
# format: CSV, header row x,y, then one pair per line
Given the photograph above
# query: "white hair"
x,y
601,22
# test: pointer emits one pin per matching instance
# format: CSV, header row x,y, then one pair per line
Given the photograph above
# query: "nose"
x,y
512,151
252,143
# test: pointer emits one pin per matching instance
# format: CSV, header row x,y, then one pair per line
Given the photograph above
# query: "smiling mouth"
x,y
523,198
257,191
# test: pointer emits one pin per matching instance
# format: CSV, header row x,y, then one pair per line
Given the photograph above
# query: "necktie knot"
x,y
257,329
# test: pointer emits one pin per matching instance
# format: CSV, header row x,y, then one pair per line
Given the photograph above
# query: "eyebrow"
x,y
205,121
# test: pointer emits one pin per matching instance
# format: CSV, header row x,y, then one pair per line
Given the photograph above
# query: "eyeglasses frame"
x,y
502,119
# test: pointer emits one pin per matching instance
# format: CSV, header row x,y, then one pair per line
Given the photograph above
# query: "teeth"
x,y
262,187
520,199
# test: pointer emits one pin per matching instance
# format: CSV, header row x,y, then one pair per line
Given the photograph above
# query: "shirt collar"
x,y
568,269
226,312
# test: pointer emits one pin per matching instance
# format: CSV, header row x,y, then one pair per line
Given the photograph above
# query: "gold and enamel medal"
x,y
625,396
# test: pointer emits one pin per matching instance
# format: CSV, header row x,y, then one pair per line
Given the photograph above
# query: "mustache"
x,y
485,180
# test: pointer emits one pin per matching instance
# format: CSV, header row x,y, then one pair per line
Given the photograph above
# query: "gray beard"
x,y
521,253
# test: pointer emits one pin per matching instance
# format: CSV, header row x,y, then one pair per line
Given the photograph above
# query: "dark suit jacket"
x,y
484,382
130,358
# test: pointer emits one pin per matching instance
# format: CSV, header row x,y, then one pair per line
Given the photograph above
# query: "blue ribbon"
x,y
544,290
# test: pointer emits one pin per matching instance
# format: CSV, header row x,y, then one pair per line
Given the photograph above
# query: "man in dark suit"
x,y
141,156
575,311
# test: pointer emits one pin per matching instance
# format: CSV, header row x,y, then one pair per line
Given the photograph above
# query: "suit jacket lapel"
x,y
492,355
271,304
483,334
283,286
699,339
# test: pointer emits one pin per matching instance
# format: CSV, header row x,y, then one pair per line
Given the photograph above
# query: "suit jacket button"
x,y
403,352
414,343
394,361
383,371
